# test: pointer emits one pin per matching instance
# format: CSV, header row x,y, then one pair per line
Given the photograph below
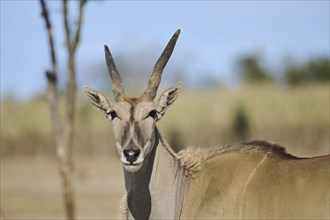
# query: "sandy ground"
x,y
31,188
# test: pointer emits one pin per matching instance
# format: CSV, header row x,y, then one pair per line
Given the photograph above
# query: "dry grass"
x,y
30,188
297,118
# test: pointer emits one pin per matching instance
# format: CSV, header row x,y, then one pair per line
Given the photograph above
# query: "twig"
x,y
62,138
52,79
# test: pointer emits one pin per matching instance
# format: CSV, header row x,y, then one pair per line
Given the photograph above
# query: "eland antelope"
x,y
254,180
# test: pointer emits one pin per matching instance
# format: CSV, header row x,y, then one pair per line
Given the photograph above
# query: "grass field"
x,y
30,188
297,118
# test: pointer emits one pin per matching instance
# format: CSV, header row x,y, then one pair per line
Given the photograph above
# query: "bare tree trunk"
x,y
64,132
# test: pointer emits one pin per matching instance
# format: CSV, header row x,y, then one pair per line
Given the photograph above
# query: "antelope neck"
x,y
152,190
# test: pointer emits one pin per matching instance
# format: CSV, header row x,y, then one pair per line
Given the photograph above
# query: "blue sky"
x,y
214,34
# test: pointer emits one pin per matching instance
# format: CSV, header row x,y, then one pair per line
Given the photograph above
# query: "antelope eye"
x,y
113,115
153,114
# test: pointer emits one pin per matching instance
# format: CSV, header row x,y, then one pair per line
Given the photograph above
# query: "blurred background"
x,y
251,70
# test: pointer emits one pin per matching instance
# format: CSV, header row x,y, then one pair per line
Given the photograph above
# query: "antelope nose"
x,y
131,154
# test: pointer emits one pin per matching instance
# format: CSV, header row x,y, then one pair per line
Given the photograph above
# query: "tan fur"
x,y
124,208
255,180
193,158
134,101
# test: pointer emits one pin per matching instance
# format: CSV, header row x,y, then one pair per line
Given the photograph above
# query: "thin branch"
x,y
61,136
50,33
66,160
71,85
52,79
79,22
66,24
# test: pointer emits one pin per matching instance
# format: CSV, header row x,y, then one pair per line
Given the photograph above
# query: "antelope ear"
x,y
98,100
167,99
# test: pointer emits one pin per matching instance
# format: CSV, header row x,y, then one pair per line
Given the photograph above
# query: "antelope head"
x,y
134,119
